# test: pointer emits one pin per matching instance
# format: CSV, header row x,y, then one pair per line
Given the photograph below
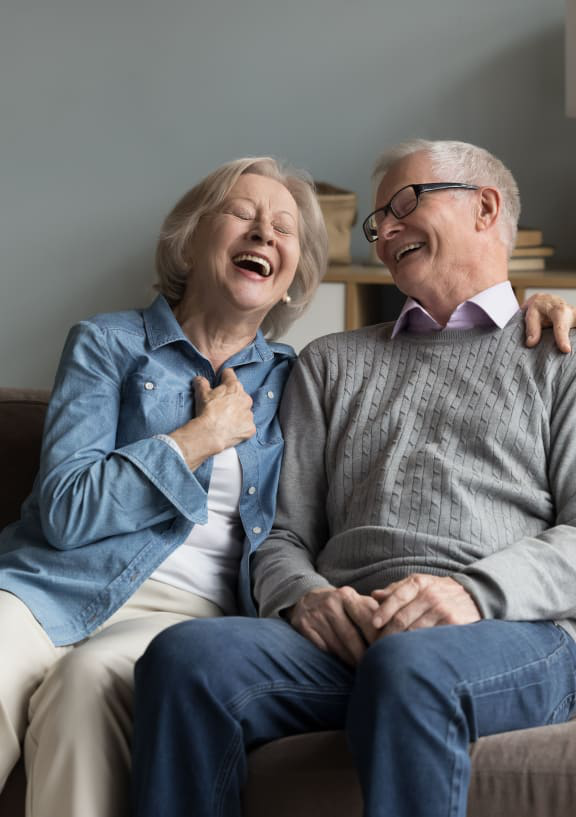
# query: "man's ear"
x,y
489,204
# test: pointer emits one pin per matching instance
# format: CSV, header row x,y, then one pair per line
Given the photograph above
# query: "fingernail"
x,y
377,622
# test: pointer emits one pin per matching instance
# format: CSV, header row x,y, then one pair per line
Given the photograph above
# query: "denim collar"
x,y
162,328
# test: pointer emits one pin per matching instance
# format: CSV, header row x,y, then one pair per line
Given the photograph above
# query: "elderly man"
x,y
419,583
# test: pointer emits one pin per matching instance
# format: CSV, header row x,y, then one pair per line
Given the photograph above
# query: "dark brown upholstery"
x,y
21,423
519,774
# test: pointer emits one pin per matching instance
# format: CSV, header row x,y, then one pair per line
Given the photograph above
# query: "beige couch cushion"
x,y
530,773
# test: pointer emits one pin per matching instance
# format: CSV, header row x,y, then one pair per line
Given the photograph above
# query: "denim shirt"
x,y
111,501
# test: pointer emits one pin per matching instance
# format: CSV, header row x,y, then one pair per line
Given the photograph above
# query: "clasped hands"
x,y
345,623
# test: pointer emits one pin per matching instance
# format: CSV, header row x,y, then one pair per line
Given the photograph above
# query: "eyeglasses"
x,y
404,202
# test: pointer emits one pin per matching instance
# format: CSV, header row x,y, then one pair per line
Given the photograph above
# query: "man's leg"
x,y
208,691
420,697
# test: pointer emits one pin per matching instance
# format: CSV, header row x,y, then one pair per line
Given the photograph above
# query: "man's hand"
x,y
544,309
336,620
421,600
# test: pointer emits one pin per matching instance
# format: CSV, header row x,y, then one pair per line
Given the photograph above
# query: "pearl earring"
x,y
286,299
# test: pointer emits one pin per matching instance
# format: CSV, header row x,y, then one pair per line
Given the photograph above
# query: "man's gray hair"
x,y
461,162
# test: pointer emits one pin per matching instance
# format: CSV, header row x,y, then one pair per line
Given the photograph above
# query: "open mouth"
x,y
407,250
253,263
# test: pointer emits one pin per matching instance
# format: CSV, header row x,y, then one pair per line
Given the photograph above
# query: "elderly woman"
x,y
157,480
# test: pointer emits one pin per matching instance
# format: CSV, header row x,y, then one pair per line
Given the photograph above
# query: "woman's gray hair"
x,y
172,251
466,163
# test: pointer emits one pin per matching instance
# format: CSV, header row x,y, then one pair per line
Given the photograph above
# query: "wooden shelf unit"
x,y
360,279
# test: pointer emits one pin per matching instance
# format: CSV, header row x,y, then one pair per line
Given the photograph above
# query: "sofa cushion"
x,y
528,773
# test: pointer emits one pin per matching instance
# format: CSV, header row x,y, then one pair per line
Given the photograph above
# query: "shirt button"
x,y
148,386
270,394
251,490
256,529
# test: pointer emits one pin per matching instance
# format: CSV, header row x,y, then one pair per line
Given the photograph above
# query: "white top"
x,y
207,563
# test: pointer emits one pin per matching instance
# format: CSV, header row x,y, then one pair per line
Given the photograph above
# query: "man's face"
x,y
433,246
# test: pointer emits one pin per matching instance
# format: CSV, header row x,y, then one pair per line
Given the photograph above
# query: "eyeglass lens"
x,y
401,204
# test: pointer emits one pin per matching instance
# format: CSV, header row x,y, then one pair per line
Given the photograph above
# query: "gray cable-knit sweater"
x,y
452,453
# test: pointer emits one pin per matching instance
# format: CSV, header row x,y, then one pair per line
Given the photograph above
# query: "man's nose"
x,y
389,227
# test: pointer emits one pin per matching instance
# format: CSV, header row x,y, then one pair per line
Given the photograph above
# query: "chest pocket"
x,y
265,409
150,406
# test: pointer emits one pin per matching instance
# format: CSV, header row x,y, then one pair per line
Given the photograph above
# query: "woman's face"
x,y
245,255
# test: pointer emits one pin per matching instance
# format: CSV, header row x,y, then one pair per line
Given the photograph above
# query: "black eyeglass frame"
x,y
372,235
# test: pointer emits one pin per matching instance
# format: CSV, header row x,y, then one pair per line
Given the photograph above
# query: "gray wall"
x,y
109,111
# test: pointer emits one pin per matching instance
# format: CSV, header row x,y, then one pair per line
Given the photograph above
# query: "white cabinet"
x,y
325,314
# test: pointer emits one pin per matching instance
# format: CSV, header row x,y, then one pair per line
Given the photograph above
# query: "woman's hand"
x,y
223,419
226,411
544,309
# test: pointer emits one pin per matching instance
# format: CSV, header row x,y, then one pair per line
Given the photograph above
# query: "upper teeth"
x,y
406,249
255,259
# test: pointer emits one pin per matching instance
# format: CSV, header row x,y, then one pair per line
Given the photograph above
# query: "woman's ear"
x,y
489,204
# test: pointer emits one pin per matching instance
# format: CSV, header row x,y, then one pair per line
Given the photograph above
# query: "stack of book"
x,y
529,253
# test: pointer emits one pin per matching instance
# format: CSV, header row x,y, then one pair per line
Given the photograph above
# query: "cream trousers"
x,y
72,706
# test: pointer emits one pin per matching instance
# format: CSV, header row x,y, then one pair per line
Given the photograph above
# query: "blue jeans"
x,y
209,691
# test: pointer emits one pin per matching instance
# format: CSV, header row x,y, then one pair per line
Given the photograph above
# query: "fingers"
x,y
229,377
320,616
562,324
225,411
533,323
544,309
360,610
423,600
394,599
202,388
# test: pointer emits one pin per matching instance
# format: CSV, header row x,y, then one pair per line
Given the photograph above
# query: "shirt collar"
x,y
162,328
494,306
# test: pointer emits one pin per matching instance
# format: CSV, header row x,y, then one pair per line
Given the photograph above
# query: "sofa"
x,y
530,773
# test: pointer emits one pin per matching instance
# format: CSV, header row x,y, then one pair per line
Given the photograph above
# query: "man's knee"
x,y
399,666
193,650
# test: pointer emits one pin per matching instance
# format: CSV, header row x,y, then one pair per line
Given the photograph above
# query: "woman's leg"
x,y
78,742
207,692
26,654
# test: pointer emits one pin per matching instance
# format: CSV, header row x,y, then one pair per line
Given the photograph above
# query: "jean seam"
x,y
456,775
571,698
236,746
222,781
490,678
236,703
464,686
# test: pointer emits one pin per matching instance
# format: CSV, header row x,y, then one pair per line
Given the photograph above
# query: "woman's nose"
x,y
261,231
